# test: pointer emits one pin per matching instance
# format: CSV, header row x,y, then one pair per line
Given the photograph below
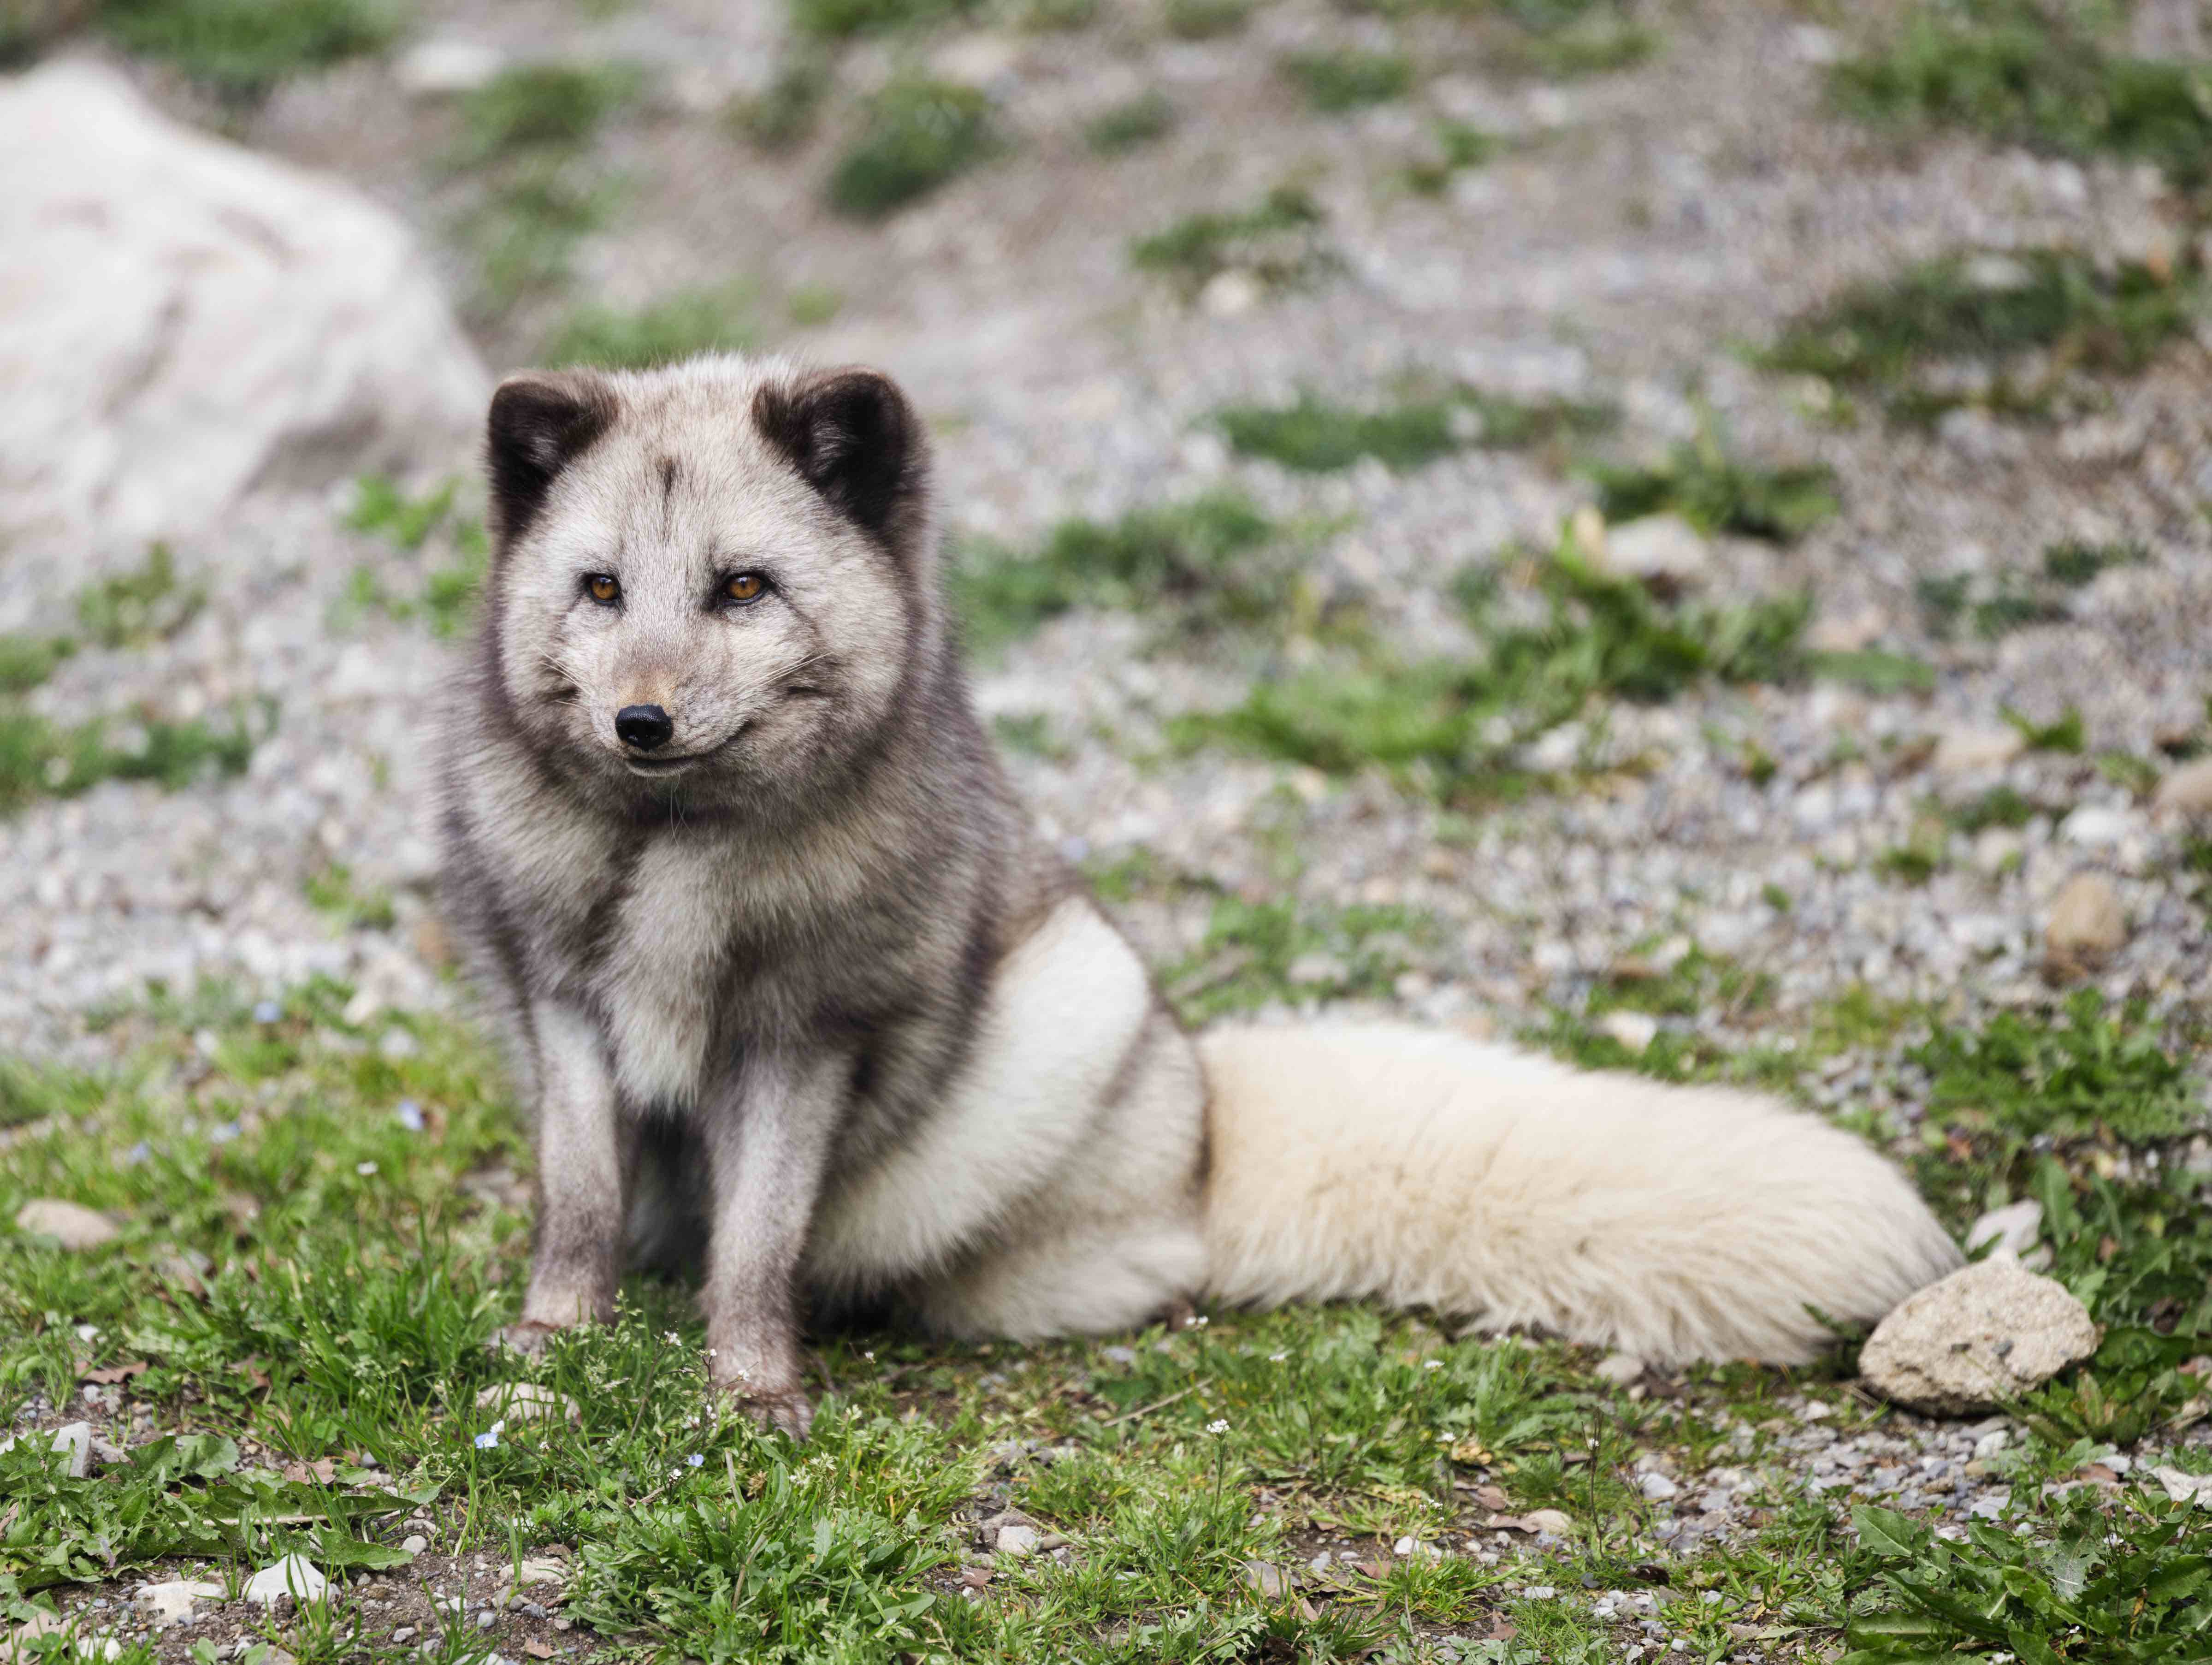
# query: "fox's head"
x,y
710,582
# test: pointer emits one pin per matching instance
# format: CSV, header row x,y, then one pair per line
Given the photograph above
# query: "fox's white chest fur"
x,y
661,974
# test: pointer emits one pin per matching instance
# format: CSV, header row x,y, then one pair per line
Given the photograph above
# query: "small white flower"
x,y
1432,1363
672,1338
490,1439
1199,1322
1219,1425
364,1169
1277,1358
870,1356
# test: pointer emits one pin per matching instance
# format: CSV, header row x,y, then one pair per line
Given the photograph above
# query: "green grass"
x,y
1990,607
918,135
680,326
2076,563
144,605
1142,120
2049,75
334,894
1717,492
40,758
1346,79
27,660
1211,562
1457,145
839,20
1564,38
786,111
1279,240
1314,436
359,1261
443,595
2030,320
1205,20
1253,954
525,232
242,49
539,107
1452,728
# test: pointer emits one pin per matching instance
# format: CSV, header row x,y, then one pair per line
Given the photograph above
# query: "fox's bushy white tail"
x,y
1426,1169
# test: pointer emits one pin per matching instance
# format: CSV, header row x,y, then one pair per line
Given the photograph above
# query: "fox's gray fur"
x,y
887,1051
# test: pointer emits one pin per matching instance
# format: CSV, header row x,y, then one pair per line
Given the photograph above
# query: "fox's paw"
x,y
525,1336
792,1411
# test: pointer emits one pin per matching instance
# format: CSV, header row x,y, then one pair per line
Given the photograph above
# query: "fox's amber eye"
x,y
746,586
603,588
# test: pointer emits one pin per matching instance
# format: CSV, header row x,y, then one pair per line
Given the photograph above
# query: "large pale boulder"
x,y
182,320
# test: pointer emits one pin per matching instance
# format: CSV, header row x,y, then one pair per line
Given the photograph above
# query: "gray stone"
x,y
526,1402
2088,925
71,1224
1664,551
1657,1487
1981,1337
2186,791
73,1437
1016,1539
1620,1368
295,1577
188,321
2014,1229
1965,751
174,1602
1265,1579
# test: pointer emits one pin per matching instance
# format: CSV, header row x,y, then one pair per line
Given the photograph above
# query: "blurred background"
x,y
1675,527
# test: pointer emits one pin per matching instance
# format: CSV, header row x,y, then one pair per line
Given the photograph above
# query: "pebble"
x,y
2087,924
73,1437
1662,551
1265,1579
2014,1229
1635,1030
2186,791
404,1634
295,1576
173,1601
526,1401
71,1224
1553,1523
1017,1541
414,1543
1969,750
1658,1487
1620,1368
1981,1337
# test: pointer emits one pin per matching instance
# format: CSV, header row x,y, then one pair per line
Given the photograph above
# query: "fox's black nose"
x,y
644,726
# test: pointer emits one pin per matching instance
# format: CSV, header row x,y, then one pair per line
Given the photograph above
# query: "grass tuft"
x,y
919,135
1205,563
243,48
2042,74
1254,954
840,20
1314,436
1715,493
680,327
1453,728
1144,119
1278,241
1205,20
785,114
542,107
1343,80
2006,331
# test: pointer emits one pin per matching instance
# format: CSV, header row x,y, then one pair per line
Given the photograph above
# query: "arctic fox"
x,y
783,968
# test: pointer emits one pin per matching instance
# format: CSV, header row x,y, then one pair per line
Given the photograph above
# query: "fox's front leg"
x,y
767,1138
586,1149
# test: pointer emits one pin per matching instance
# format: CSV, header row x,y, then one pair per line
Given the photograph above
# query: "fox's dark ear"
x,y
541,422
852,437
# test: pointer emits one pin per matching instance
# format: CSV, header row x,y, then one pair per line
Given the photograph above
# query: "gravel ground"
x,y
1650,223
